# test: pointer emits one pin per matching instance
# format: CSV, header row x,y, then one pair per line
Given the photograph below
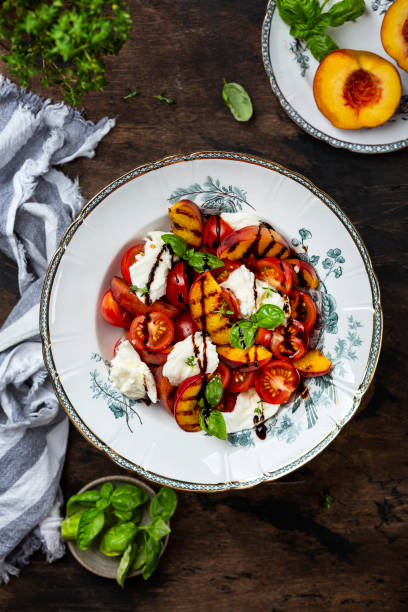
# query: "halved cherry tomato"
x,y
241,381
221,274
303,308
263,336
276,382
153,331
229,303
129,259
156,357
223,372
162,306
227,402
276,272
215,230
113,312
289,342
184,326
304,274
177,285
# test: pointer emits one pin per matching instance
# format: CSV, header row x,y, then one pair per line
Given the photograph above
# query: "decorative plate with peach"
x,y
211,321
340,69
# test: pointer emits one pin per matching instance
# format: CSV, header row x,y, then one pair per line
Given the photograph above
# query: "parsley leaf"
x,y
131,94
162,98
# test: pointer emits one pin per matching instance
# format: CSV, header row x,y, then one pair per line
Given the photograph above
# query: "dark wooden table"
x,y
274,547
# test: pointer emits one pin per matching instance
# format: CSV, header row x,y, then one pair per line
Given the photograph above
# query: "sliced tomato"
x,y
227,402
276,382
184,326
304,274
126,298
178,285
113,312
162,306
156,357
165,391
221,274
276,272
241,381
223,372
129,259
229,303
289,342
263,336
215,230
153,331
303,308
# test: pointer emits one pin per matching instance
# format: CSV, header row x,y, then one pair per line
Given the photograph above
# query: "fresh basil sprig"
x,y
243,333
309,22
117,514
237,100
196,259
213,391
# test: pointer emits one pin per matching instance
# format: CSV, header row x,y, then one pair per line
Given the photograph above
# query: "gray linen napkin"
x,y
37,203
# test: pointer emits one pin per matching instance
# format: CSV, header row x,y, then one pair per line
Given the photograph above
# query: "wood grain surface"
x,y
274,547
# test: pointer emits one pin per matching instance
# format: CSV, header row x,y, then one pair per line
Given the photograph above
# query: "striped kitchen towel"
x,y
37,203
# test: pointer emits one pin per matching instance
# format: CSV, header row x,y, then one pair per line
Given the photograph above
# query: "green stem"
x,y
323,5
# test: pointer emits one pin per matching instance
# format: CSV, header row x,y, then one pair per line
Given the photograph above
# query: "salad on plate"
x,y
220,319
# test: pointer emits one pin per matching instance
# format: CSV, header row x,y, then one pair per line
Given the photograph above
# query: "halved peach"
x,y
314,363
186,406
206,300
248,359
394,32
165,391
260,241
187,222
356,89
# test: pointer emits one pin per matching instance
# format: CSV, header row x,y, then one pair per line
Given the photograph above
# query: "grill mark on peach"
x,y
185,213
183,228
404,30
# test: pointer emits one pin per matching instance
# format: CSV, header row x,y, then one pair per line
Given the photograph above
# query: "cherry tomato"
x,y
263,336
223,372
229,303
289,342
241,381
177,285
275,272
227,402
113,312
156,357
129,259
153,331
221,274
276,382
304,274
162,306
215,230
303,308
184,326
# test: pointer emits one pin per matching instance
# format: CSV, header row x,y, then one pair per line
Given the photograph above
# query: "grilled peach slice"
x,y
186,407
248,359
304,274
314,363
394,32
126,298
165,391
260,241
206,301
187,222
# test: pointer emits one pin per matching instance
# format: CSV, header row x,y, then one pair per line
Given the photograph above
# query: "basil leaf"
x,y
102,503
213,424
69,526
214,391
137,515
177,244
152,553
128,497
124,515
157,529
106,489
270,316
293,12
345,10
126,562
203,261
140,545
242,334
116,539
90,524
320,45
238,101
87,498
163,504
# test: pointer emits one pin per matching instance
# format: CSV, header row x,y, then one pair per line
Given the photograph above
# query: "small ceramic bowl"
x,y
93,560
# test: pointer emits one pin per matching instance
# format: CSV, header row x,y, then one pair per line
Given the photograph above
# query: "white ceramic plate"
x,y
291,69
76,340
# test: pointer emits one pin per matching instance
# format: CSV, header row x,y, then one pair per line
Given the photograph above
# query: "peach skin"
x,y
394,32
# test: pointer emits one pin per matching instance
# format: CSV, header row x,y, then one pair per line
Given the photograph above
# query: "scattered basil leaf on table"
x,y
213,391
131,94
213,424
163,504
88,498
238,101
128,497
163,98
117,538
90,524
